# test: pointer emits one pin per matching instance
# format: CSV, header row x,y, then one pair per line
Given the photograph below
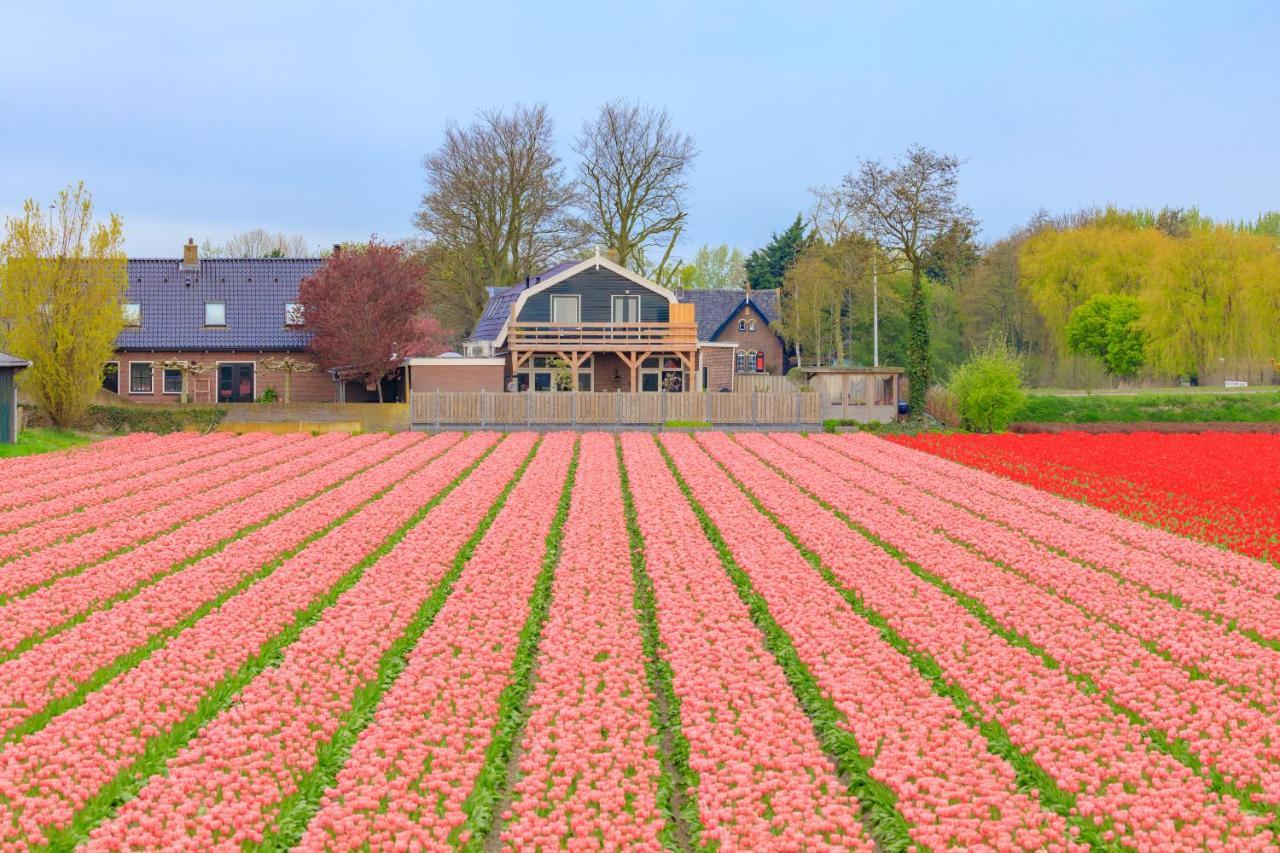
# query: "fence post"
x,y
482,421
437,408
755,405
708,393
617,407
799,406
662,410
528,407
573,408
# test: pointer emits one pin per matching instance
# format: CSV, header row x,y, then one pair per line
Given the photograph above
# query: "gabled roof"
x,y
7,360
255,291
714,308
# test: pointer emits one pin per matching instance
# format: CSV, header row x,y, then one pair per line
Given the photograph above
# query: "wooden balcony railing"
x,y
603,336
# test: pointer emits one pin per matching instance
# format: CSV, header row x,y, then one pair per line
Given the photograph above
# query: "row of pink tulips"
x,y
952,790
414,766
1189,638
37,478
1131,792
253,499
588,769
59,664
1231,736
44,565
1201,557
180,484
225,786
763,779
116,499
49,775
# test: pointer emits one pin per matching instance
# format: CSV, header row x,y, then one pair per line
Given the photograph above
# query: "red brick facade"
x,y
718,364
457,377
314,386
758,339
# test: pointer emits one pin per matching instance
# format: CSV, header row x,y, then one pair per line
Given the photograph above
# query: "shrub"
x,y
987,389
940,404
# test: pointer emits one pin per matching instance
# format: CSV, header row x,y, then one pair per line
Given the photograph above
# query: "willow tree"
x,y
62,284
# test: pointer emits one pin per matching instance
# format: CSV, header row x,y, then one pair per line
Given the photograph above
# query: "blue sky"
x,y
201,119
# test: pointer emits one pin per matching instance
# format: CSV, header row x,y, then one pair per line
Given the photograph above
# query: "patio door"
x,y
235,383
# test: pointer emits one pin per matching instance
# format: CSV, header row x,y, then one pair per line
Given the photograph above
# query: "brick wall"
x,y
719,364
762,339
457,377
315,386
608,365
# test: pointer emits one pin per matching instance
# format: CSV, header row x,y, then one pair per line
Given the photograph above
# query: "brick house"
x,y
602,327
236,318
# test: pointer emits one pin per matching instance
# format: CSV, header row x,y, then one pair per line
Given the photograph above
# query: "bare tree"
x,y
497,196
259,243
905,208
633,172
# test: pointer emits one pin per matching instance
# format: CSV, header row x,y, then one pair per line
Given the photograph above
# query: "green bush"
x,y
160,419
987,389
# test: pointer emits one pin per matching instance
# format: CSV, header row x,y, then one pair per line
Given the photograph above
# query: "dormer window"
x,y
132,313
215,313
293,314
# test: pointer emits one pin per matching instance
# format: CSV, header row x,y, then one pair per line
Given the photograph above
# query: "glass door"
x,y
235,383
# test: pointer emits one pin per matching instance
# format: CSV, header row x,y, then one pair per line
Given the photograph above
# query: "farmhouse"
x,y
593,325
233,324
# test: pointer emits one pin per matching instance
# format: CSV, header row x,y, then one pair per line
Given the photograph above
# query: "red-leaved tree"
x,y
364,309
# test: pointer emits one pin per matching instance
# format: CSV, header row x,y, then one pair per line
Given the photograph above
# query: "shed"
x,y
9,367
857,393
453,372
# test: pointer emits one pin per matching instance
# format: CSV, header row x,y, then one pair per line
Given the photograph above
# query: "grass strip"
x,y
1174,748
678,783
34,640
296,811
164,746
876,801
493,783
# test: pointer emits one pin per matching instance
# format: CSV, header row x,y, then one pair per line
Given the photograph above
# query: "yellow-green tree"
x,y
62,281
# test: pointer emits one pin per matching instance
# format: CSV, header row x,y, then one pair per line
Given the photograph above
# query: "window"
x,y
626,309
293,313
172,381
132,312
540,374
751,326
564,309
215,313
742,325
140,377
749,361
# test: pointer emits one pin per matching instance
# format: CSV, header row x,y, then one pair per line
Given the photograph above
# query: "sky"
x,y
203,119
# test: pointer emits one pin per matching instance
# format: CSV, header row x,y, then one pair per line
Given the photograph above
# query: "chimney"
x,y
337,248
190,254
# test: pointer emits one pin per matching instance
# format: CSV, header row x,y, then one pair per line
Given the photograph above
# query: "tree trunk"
x,y
918,373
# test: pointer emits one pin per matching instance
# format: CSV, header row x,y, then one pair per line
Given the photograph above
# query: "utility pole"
x,y
875,311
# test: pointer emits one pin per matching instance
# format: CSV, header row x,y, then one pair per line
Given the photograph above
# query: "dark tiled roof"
x,y
255,291
498,308
713,308
7,360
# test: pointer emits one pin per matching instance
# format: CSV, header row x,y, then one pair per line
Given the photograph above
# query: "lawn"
x,y
1175,406
42,440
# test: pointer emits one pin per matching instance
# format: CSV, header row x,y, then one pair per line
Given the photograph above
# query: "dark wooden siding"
x,y
8,407
596,287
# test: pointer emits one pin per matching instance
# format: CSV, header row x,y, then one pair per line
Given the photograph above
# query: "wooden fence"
x,y
763,382
587,408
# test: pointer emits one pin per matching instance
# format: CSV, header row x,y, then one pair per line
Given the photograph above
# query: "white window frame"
x,y
163,377
221,325
742,325
151,372
293,315
616,300
527,370
136,321
577,308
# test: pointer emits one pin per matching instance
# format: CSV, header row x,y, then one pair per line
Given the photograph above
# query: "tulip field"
x,y
594,641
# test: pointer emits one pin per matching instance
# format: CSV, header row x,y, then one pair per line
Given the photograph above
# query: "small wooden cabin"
x,y
9,367
857,393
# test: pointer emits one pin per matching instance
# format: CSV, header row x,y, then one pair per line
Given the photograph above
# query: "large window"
x,y
549,373
172,381
663,373
626,309
564,309
215,313
132,312
749,361
140,380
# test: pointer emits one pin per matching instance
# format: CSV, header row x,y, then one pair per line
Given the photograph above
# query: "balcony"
x,y
612,337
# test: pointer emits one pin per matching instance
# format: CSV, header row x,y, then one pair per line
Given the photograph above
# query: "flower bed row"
x,y
1207,485
762,776
1115,783
73,770
226,785
1203,645
413,768
951,790
587,764
62,663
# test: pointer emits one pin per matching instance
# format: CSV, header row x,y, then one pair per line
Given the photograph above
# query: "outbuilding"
x,y
9,367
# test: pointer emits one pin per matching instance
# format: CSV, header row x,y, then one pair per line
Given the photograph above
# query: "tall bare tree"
x,y
259,243
497,202
906,207
633,173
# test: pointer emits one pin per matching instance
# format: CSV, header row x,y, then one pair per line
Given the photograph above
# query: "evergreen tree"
x,y
767,266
